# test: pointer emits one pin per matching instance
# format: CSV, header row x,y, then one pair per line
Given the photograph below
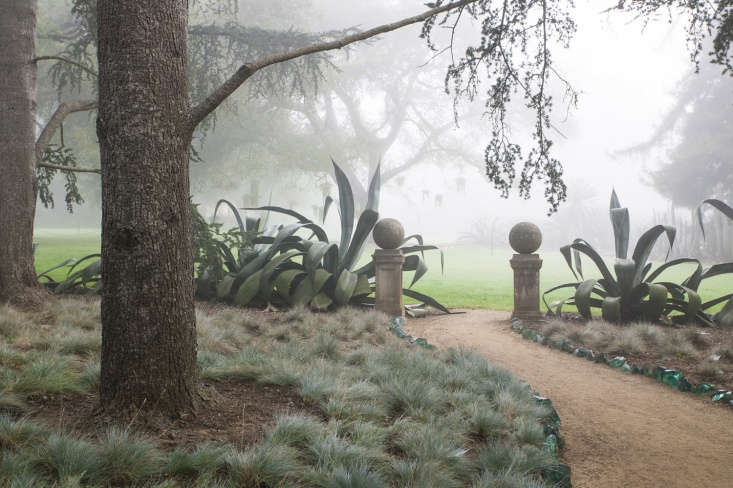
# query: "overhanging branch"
x,y
66,60
62,111
247,70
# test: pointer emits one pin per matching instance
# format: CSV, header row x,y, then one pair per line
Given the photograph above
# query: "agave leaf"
x,y
281,210
721,206
369,270
716,301
654,307
417,238
621,229
724,318
346,205
555,288
689,307
315,254
416,264
252,224
345,286
249,289
367,220
303,293
77,263
321,301
285,280
615,203
326,206
374,186
578,263
566,253
224,287
319,278
363,287
645,244
716,270
625,272
427,300
585,248
611,309
43,274
271,268
670,264
412,249
582,297
234,210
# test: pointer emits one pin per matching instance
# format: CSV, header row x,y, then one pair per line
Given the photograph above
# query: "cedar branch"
x,y
247,70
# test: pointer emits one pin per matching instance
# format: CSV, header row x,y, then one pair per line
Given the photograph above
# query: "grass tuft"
x,y
127,459
48,374
263,466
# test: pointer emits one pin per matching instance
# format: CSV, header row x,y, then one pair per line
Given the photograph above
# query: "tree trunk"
x,y
148,320
17,157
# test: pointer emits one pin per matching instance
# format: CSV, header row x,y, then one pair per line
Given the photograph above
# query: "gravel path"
x,y
620,430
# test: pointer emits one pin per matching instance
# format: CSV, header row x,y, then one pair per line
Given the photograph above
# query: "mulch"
x,y
237,413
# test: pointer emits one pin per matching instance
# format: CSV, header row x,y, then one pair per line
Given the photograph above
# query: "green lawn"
x,y
473,278
56,245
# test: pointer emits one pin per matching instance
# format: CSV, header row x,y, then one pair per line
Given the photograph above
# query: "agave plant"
x,y
286,267
79,279
632,291
725,315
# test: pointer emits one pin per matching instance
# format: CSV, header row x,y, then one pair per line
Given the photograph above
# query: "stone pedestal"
x,y
388,264
526,286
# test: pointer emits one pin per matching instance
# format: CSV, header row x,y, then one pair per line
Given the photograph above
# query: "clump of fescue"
x,y
295,430
710,370
491,479
699,341
127,459
12,321
10,402
627,341
529,432
80,342
77,314
676,345
554,329
15,435
501,457
486,423
48,374
63,457
204,461
650,334
263,466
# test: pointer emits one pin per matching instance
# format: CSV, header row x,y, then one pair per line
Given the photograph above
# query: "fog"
x,y
628,76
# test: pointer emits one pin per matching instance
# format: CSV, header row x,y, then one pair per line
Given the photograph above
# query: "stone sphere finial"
x,y
388,234
525,238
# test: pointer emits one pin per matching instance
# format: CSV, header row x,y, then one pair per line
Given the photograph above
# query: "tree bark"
x,y
148,321
17,151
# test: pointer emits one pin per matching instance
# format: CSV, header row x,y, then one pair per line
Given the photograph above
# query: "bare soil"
x,y
231,412
620,430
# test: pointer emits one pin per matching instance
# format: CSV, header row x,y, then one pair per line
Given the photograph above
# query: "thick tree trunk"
x,y
17,150
148,321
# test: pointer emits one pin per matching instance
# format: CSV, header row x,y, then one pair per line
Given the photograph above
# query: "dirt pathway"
x,y
620,430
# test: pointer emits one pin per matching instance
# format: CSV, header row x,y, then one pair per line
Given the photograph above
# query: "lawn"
x,y
473,277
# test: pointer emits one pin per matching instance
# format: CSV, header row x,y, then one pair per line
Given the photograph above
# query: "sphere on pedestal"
x,y
525,238
388,234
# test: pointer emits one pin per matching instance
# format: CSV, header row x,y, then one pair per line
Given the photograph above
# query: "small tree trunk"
x,y
17,150
148,320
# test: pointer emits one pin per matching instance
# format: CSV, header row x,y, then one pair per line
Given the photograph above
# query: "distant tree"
x,y
695,133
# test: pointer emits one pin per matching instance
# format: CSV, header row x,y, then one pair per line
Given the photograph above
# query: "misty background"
x,y
645,124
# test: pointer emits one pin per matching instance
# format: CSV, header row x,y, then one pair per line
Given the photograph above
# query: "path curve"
x,y
620,430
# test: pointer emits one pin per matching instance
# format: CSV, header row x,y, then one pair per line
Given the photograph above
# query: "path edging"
x,y
670,377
